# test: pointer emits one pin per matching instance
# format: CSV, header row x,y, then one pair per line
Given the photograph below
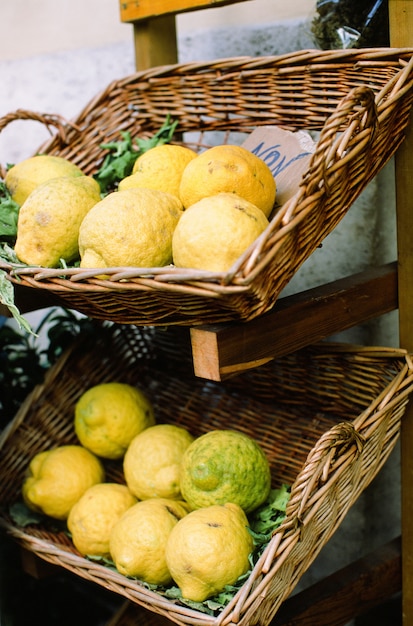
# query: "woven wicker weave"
x,y
327,417
360,101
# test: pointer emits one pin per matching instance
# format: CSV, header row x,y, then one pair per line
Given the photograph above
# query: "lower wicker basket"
x,y
327,417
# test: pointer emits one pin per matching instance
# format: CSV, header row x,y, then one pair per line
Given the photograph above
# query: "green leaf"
x,y
270,515
162,136
9,213
8,254
23,516
7,298
24,356
121,157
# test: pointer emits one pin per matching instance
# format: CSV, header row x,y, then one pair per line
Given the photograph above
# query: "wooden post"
x,y
401,35
154,27
155,42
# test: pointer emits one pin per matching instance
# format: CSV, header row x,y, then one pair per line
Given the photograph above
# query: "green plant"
x,y
25,356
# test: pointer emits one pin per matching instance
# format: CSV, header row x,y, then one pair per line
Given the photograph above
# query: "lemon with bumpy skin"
x,y
91,519
152,462
138,539
209,549
49,220
109,415
215,231
131,228
160,168
231,169
225,466
25,176
57,478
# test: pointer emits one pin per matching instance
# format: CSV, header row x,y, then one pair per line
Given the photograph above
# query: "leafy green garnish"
x,y
122,155
9,212
8,254
23,516
270,515
7,298
7,290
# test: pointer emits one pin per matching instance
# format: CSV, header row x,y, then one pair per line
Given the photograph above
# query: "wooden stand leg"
x,y
155,42
401,35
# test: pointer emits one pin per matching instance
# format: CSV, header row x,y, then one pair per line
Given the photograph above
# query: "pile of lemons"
x,y
181,514
198,211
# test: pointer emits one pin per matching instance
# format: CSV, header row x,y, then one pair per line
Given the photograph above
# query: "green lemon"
x,y
225,466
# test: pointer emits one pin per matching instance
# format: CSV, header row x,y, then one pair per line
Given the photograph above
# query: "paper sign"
x,y
287,154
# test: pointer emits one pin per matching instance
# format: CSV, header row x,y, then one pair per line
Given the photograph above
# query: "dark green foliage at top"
x,y
23,360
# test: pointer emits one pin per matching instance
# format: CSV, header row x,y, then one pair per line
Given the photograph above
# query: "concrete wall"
x,y
46,26
55,56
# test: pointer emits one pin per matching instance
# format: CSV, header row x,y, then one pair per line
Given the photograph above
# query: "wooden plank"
x,y
132,10
401,35
348,593
295,321
155,42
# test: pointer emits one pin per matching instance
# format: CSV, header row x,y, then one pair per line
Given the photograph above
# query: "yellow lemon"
x,y
92,517
108,416
57,478
215,231
231,169
151,465
160,168
209,549
25,176
49,220
132,227
138,539
225,466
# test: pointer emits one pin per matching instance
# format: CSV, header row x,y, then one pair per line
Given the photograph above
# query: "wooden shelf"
x,y
295,321
222,350
154,27
132,11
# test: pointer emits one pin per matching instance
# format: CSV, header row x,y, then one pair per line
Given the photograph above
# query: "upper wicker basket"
x,y
359,101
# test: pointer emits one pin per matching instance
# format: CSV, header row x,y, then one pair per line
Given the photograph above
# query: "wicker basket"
x,y
327,416
359,100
